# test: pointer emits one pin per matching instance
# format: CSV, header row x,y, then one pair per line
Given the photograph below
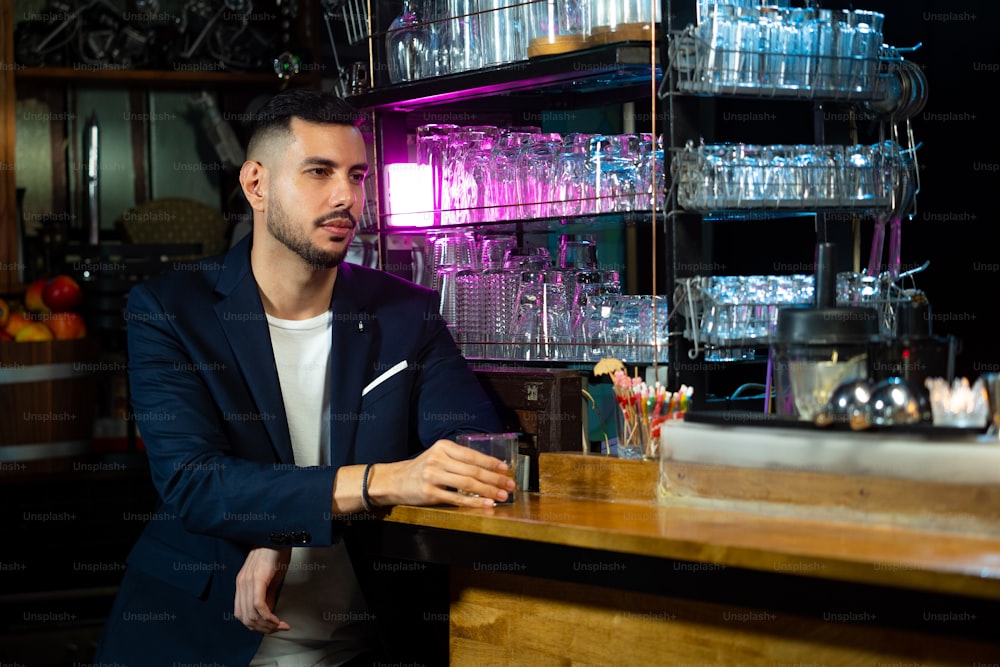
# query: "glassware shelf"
x,y
708,71
561,224
626,65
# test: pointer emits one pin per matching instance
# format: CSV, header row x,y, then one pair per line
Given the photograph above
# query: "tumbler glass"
x,y
502,24
617,157
432,146
577,253
469,311
500,288
573,186
464,36
540,328
464,173
620,20
556,26
505,171
446,250
493,249
536,169
528,258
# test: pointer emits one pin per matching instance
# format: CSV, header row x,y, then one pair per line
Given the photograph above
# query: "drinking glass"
x,y
859,173
577,253
528,258
536,168
650,179
505,170
621,159
500,289
590,309
503,446
469,312
493,248
464,173
446,283
437,62
406,44
573,188
432,146
502,24
747,59
540,328
844,51
446,250
556,26
464,36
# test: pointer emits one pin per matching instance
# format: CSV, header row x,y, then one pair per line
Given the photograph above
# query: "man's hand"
x,y
432,477
256,587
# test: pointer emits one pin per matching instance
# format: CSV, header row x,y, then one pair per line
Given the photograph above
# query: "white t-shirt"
x,y
320,597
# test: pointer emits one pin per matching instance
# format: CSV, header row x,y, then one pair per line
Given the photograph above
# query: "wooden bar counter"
x,y
593,571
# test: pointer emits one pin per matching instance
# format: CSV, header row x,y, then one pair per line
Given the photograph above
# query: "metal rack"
x,y
729,317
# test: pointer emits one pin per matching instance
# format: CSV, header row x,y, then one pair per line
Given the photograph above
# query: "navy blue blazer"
x,y
208,405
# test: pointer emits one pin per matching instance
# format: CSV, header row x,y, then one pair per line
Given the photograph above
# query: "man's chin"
x,y
326,260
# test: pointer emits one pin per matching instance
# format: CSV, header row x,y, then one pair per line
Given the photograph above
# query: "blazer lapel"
x,y
354,333
241,315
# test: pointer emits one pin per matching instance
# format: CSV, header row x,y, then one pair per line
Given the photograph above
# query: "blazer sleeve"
x,y
448,398
246,498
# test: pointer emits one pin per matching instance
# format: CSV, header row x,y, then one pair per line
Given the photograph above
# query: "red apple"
x,y
33,331
67,326
33,300
61,294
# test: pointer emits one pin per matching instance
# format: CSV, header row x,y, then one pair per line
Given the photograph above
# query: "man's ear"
x,y
254,183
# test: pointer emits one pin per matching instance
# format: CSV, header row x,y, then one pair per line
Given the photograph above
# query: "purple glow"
x,y
408,195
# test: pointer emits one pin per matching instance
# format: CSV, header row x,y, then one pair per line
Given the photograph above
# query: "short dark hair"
x,y
308,104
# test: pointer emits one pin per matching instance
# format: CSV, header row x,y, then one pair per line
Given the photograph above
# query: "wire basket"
x,y
704,67
717,177
730,317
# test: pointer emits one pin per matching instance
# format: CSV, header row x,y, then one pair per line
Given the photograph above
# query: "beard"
x,y
284,230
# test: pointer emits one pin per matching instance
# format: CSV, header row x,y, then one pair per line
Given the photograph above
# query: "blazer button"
x,y
303,537
279,538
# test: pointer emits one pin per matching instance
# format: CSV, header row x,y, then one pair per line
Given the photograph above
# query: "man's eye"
x,y
358,178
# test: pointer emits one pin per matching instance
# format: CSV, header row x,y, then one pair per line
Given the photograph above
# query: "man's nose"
x,y
342,194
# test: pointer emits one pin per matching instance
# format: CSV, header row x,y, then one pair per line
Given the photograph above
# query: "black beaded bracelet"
x,y
366,500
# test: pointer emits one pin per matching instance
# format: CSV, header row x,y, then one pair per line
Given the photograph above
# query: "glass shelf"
x,y
564,225
626,65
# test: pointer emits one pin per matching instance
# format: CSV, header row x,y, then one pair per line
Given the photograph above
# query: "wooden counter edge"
x,y
964,566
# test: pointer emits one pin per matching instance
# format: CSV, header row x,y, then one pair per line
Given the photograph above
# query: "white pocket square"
x,y
401,366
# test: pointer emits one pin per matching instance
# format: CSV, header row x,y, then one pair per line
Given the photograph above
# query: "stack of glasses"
x,y
754,49
735,176
488,174
502,301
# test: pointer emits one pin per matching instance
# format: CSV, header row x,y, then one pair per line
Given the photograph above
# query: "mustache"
x,y
341,215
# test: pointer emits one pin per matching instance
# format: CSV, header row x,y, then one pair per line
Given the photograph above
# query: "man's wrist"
x,y
366,500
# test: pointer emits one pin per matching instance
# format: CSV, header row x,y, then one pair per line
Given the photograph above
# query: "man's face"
x,y
317,192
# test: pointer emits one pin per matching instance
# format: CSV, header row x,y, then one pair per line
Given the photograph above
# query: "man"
x,y
265,383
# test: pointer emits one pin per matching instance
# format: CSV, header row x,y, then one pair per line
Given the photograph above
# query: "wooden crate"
x,y
47,399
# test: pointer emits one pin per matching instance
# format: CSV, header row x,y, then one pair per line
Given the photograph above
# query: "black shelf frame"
x,y
587,73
